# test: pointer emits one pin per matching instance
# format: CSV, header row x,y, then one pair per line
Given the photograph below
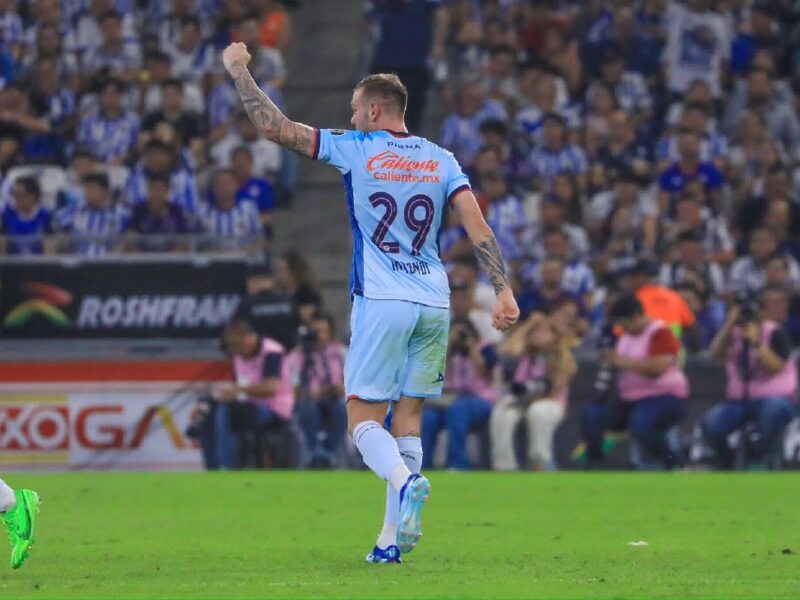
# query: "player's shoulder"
x,y
343,134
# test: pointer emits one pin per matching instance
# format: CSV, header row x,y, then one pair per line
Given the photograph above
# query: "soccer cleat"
x,y
413,496
21,524
387,556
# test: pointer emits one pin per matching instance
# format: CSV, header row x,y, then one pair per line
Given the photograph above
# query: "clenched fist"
x,y
235,54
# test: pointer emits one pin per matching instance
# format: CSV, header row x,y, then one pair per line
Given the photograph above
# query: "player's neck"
x,y
393,127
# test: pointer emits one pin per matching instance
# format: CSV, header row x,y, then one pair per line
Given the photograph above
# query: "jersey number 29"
x,y
421,227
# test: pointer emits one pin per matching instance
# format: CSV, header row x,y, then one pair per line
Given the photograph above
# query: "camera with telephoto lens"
x,y
307,337
200,418
748,313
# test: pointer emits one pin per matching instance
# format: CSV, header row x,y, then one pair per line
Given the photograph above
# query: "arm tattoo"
x,y
489,257
269,119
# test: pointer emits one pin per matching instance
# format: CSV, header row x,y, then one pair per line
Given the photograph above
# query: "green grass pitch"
x,y
487,535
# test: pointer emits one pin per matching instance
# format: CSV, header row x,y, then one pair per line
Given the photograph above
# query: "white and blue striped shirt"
x,y
95,231
234,228
632,93
183,189
461,134
108,140
506,217
546,164
713,146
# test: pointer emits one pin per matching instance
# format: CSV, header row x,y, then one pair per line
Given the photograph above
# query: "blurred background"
x,y
173,285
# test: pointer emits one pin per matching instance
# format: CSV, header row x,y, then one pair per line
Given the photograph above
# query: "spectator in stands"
x,y
692,216
25,221
640,209
159,159
266,64
651,386
276,24
713,146
689,168
269,309
155,224
49,46
778,113
687,255
578,280
52,119
461,130
262,395
188,125
229,225
658,302
192,59
505,213
547,290
294,276
96,227
317,371
471,387
623,151
556,155
538,394
747,276
120,57
552,216
111,131
253,189
762,383
266,154
629,87
407,36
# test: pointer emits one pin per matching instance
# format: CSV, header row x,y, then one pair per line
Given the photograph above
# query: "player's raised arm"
x,y
506,311
263,113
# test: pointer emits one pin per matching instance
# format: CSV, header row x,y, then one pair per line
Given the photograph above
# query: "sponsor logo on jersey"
x,y
391,166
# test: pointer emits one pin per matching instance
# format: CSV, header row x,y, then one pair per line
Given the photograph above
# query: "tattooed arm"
x,y
505,312
263,113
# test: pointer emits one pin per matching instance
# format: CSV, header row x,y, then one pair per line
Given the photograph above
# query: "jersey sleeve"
x,y
335,147
457,181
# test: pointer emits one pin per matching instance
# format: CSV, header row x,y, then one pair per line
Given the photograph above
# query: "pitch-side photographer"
x,y
538,393
261,395
651,385
316,368
470,390
762,381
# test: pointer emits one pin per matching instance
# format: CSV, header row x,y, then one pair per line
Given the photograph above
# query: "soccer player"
x,y
397,186
18,510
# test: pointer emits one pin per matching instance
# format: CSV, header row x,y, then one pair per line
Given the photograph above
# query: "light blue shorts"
x,y
397,348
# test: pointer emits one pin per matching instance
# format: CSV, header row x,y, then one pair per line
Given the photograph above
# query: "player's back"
x,y
397,186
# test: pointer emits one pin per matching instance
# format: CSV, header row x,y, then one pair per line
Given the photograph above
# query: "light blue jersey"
x,y
397,186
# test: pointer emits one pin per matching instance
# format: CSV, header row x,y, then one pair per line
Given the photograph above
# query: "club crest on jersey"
x,y
337,131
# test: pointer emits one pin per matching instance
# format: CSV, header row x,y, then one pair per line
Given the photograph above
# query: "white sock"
x,y
380,453
411,451
7,497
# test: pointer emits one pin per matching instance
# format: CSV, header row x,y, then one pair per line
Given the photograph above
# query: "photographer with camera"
x,y
261,396
651,385
762,382
316,368
470,391
539,393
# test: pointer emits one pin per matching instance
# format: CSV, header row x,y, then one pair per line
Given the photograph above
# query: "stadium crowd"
x,y
638,160
119,128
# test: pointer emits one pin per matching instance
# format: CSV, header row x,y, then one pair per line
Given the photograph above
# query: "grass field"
x,y
304,534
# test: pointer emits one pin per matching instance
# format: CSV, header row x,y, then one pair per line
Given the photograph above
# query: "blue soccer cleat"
x,y
388,556
413,496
